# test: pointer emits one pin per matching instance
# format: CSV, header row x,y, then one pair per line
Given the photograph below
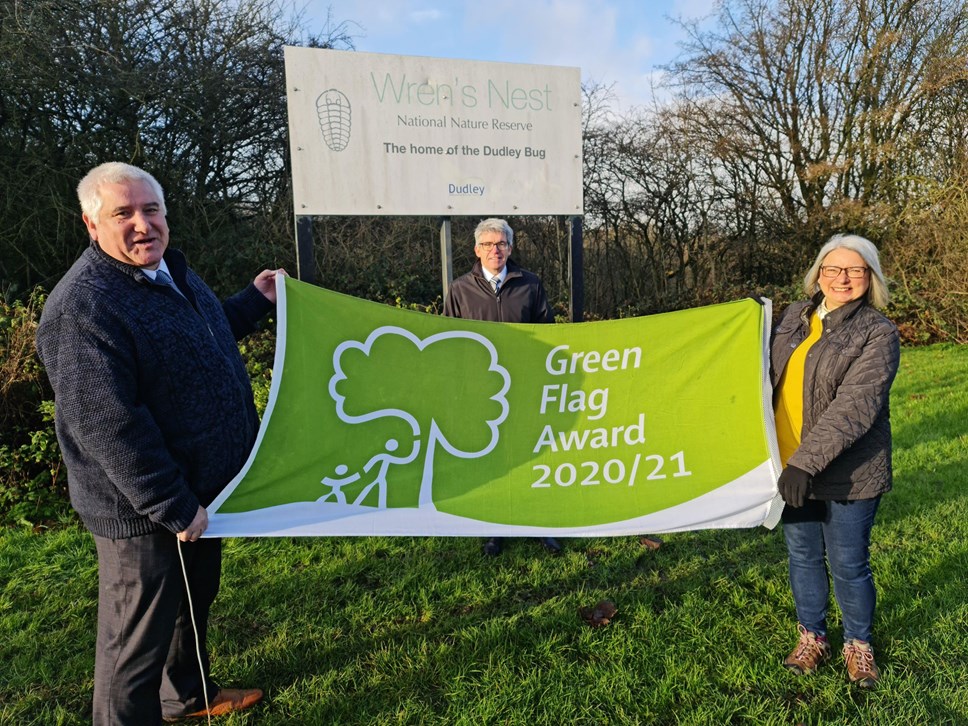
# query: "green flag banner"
x,y
383,421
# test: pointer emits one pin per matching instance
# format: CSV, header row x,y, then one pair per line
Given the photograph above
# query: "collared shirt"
x,y
500,277
152,273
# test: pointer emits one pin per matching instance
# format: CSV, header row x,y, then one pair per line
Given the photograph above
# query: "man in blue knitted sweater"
x,y
154,415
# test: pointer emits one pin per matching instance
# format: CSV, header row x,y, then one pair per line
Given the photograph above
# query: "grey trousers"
x,y
146,665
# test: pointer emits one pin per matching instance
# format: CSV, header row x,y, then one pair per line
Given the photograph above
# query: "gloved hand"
x,y
793,483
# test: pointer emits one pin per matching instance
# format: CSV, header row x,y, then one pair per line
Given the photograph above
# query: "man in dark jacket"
x,y
154,415
518,297
498,290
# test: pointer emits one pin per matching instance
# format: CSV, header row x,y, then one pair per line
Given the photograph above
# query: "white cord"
x,y
198,645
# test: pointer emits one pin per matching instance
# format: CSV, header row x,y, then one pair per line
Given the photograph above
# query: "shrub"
x,y
929,265
258,352
33,487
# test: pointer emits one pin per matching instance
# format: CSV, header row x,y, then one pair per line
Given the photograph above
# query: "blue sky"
x,y
616,42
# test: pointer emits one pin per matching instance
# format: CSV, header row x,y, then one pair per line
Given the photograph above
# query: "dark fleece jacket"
x,y
154,409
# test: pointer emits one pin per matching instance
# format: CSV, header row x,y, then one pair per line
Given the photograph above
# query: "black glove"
x,y
755,298
793,483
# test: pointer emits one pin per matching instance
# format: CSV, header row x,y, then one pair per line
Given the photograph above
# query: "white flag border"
x,y
282,327
743,502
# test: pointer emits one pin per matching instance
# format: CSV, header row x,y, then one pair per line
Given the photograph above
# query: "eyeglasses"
x,y
853,273
488,246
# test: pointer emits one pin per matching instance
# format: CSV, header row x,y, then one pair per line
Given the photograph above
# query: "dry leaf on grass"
x,y
650,541
599,615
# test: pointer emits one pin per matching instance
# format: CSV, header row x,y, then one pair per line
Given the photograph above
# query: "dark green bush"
x,y
258,352
33,483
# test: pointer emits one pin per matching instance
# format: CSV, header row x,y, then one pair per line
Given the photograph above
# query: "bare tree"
x,y
829,96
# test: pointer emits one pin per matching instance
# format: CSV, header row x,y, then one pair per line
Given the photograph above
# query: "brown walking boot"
x,y
859,659
811,651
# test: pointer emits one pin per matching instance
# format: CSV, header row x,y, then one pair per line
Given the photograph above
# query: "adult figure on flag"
x,y
499,290
834,357
154,415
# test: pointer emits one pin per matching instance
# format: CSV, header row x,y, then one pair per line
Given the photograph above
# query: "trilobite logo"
x,y
335,114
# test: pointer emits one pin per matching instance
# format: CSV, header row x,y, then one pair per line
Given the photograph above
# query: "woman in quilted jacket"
x,y
833,359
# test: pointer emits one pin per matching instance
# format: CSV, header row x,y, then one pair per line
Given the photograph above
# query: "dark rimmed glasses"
x,y
854,273
488,246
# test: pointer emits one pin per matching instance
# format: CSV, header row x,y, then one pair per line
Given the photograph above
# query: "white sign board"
x,y
374,134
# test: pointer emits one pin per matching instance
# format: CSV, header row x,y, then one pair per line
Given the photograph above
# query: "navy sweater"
x,y
154,409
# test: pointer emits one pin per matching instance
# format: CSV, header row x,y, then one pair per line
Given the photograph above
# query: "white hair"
x,y
493,224
112,172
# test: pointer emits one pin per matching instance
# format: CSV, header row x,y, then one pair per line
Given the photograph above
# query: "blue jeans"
x,y
838,533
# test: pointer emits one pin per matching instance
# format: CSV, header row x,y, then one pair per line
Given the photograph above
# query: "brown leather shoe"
x,y
859,659
810,652
226,701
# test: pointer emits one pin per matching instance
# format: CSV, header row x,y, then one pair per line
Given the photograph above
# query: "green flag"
x,y
388,421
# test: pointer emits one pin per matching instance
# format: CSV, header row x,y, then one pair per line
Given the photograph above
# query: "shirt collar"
x,y
500,277
150,274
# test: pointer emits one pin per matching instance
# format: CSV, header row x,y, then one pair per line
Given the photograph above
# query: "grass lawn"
x,y
426,630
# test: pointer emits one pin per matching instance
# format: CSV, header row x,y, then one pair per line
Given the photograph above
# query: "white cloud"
x,y
430,15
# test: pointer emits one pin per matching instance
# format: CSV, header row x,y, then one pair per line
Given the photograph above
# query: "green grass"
x,y
410,630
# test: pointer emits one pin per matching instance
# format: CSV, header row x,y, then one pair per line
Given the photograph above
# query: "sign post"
x,y
446,255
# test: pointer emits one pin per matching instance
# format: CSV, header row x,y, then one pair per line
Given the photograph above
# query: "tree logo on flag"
x,y
425,414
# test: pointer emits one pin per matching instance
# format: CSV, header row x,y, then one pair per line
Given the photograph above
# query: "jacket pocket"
x,y
846,346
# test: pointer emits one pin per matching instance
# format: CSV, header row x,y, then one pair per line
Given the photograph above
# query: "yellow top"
x,y
788,399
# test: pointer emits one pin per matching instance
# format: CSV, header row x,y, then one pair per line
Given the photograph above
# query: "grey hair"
x,y
493,224
112,172
879,296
